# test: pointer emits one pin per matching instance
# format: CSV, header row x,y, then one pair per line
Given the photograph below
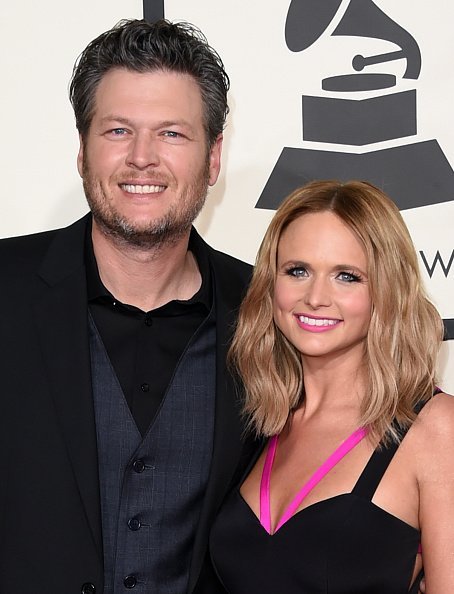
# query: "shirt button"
x,y
88,588
130,581
148,320
138,465
145,387
134,524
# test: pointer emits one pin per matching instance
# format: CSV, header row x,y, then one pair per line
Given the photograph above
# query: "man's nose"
x,y
143,152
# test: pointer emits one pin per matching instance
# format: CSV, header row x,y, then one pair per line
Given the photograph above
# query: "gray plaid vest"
x,y
152,488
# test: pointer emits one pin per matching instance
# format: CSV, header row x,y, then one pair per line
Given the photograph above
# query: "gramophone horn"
x,y
307,20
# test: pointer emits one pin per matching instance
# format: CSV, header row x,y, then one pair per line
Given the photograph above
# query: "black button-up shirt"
x,y
145,347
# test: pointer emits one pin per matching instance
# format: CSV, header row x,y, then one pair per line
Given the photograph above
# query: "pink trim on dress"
x,y
336,456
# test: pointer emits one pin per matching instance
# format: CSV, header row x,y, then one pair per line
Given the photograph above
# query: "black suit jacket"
x,y
50,524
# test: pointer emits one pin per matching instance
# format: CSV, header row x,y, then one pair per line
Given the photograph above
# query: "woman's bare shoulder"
x,y
434,433
436,419
432,436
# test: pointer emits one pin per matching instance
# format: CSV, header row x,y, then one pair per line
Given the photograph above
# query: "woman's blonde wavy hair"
x,y
405,331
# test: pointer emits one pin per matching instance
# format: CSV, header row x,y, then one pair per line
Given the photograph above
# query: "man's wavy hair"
x,y
139,46
405,331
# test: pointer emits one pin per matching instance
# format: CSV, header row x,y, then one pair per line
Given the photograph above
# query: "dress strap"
x,y
336,456
369,479
265,514
372,474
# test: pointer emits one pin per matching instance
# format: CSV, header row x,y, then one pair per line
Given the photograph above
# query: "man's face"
x,y
145,163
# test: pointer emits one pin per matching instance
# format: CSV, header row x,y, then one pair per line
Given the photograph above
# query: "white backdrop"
x,y
40,41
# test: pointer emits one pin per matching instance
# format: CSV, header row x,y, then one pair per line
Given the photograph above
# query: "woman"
x,y
336,345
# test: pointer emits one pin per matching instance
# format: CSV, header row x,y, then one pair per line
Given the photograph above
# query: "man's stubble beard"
x,y
159,232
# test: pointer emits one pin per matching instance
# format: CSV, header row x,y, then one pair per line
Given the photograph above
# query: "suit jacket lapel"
x,y
60,310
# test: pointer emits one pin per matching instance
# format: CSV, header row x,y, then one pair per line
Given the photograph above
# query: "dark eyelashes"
x,y
345,275
295,271
353,277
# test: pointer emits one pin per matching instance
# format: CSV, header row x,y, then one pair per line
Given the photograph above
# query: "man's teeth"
x,y
316,322
146,189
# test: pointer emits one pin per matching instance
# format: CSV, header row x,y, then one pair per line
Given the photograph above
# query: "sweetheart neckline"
x,y
318,504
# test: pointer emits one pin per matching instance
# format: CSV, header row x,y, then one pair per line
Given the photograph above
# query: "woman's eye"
x,y
349,277
297,271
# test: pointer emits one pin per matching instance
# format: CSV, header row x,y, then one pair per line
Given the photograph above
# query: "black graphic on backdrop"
x,y
153,10
416,174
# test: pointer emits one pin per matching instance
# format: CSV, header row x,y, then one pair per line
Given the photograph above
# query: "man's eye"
x,y
118,131
172,134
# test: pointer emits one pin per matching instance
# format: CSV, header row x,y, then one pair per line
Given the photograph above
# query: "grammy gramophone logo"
x,y
413,173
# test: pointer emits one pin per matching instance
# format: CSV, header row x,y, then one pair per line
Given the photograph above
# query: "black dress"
x,y
342,545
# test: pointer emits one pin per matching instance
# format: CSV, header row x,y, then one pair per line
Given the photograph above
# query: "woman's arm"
x,y
435,476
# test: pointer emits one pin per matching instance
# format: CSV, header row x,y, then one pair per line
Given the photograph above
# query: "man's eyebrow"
x,y
181,122
116,118
162,124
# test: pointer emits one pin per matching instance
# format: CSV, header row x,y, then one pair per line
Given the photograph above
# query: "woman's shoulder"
x,y
437,415
432,433
434,459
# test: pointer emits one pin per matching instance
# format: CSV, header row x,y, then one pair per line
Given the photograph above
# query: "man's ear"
x,y
80,156
215,160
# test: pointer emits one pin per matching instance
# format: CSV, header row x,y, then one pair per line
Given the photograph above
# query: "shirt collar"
x,y
96,291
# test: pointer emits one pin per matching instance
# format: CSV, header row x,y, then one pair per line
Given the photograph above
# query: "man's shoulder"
x,y
22,244
232,276
229,272
18,254
223,260
24,252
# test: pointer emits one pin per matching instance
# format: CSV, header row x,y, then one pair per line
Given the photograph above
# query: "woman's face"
x,y
321,297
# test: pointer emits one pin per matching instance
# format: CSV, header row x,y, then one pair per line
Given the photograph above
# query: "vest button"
x,y
130,581
148,320
138,465
134,524
145,387
88,588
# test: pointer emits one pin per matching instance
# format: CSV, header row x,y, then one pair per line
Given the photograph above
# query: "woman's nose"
x,y
317,292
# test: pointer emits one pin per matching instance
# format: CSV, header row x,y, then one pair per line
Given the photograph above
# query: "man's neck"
x,y
146,278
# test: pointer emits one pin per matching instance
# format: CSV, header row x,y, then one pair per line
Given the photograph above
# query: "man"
x,y
119,422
